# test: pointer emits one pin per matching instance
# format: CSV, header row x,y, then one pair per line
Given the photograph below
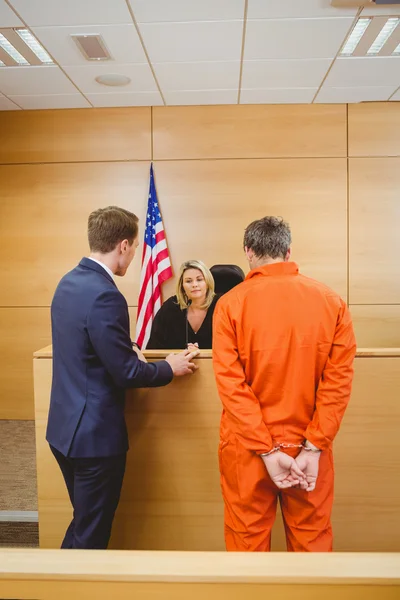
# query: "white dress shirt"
x,y
111,274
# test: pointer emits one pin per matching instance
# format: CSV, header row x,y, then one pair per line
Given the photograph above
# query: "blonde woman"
x,y
187,317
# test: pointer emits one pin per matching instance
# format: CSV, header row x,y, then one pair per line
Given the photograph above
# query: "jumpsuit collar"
x,y
275,269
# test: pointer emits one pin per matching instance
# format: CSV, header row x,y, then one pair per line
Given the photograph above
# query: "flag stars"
x,y
153,257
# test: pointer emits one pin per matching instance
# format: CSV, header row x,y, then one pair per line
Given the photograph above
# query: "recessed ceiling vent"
x,y
92,46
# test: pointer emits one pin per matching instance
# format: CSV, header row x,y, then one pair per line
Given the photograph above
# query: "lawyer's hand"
x,y
140,354
283,470
181,363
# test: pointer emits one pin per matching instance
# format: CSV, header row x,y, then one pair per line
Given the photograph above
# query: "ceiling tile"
x,y
198,75
126,99
34,80
201,97
396,96
51,101
295,38
186,10
8,18
84,78
380,10
122,42
278,96
284,73
186,42
275,9
6,104
365,71
332,95
72,12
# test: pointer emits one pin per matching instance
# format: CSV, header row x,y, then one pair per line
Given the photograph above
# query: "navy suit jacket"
x,y
93,364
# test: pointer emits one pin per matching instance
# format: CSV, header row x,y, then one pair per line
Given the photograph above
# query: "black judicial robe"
x,y
169,327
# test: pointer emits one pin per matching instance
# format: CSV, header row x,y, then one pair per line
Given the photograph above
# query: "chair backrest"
x,y
226,277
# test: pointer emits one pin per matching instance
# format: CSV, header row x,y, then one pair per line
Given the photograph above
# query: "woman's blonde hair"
x,y
180,292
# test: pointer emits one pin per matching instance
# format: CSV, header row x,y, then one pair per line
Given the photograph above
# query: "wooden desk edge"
x,y
202,567
47,352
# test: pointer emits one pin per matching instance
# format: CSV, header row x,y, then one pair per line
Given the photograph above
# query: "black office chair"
x,y
226,277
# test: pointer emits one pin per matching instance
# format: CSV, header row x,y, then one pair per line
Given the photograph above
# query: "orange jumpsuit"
x,y
283,351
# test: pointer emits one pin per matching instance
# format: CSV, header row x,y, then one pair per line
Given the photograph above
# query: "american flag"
x,y
156,267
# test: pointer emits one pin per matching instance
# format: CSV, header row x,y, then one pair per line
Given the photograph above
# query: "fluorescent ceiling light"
x,y
355,36
2,64
383,36
13,52
34,45
397,51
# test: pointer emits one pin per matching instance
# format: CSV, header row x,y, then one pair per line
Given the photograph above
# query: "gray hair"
x,y
268,237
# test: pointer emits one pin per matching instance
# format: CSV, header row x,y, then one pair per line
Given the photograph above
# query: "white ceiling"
x,y
180,52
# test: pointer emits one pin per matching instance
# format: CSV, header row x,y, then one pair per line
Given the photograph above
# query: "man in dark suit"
x,y
93,363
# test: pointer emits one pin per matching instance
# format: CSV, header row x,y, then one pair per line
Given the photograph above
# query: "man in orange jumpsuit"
x,y
283,351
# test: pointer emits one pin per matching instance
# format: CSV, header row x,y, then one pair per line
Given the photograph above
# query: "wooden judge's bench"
x,y
171,498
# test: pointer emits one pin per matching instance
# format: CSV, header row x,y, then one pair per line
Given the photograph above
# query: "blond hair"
x,y
208,278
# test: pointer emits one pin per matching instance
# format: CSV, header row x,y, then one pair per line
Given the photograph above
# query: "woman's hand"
x,y
193,347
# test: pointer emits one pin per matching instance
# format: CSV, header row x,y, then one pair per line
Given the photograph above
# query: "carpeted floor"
x,y
17,466
18,482
19,535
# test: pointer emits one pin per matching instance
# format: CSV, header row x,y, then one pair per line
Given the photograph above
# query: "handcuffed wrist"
x,y
309,447
274,449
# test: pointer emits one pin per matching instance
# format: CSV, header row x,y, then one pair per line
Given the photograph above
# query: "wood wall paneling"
x,y
43,226
206,206
366,451
249,131
374,221
23,330
374,129
77,135
377,325
132,316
